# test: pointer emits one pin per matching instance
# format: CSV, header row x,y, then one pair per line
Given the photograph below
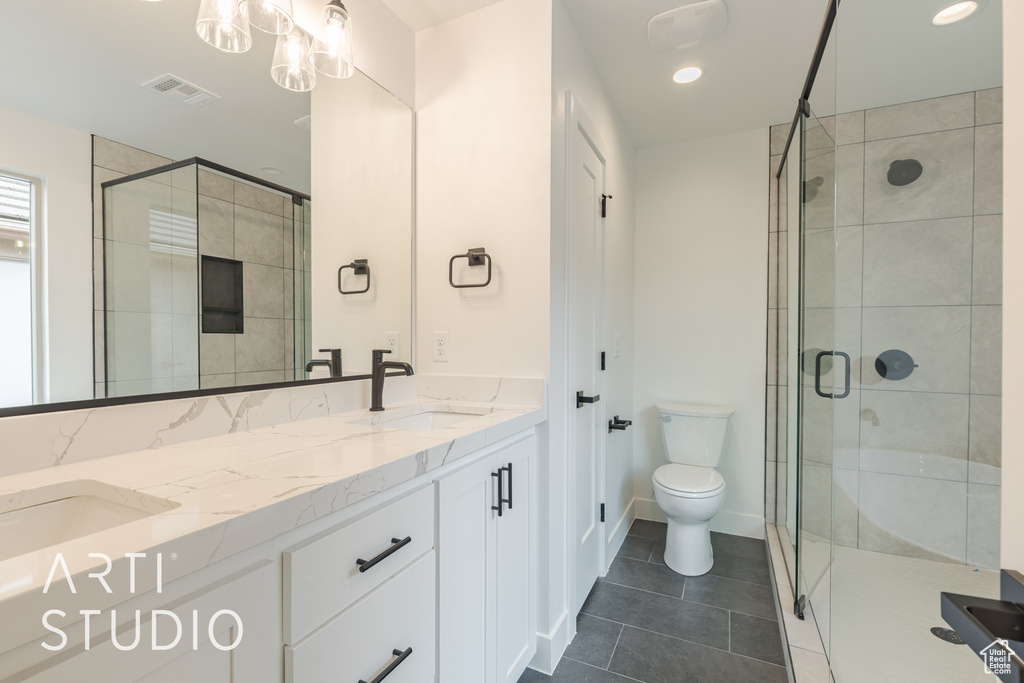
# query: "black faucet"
x,y
380,366
334,364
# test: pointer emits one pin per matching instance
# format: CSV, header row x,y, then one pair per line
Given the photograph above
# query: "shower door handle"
x,y
817,374
846,389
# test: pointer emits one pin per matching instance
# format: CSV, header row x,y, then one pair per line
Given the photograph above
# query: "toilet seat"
x,y
689,481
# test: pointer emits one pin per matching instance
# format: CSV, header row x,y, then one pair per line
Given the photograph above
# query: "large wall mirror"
x,y
173,220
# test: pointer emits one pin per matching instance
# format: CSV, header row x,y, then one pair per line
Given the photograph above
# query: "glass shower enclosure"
x,y
205,281
889,329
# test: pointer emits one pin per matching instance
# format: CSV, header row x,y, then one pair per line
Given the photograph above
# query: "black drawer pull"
x,y
393,665
500,474
367,564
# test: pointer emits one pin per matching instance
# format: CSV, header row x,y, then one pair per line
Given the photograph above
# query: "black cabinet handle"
x,y
502,500
581,399
509,501
367,564
500,474
402,656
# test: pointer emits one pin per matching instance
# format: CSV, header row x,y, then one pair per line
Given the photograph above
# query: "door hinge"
x,y
602,512
602,359
604,205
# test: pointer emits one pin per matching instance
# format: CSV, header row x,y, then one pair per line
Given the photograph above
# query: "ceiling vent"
x,y
180,90
687,26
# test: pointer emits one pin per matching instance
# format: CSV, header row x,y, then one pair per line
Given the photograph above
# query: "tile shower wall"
x,y
242,222
916,462
112,161
159,301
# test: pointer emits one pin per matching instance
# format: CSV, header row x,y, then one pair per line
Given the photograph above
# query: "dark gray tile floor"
x,y
645,623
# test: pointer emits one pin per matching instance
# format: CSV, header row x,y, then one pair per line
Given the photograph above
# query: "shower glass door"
x,y
915,476
820,374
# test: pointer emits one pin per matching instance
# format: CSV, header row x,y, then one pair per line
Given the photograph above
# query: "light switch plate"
x,y
616,346
441,347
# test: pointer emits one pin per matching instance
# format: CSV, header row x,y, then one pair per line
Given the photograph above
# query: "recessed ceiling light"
x,y
955,12
272,170
688,75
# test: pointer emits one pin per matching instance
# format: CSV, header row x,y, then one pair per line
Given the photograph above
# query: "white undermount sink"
x,y
38,518
425,421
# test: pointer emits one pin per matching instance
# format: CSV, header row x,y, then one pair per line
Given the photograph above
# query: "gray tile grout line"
x,y
680,599
727,578
710,647
622,627
614,673
728,628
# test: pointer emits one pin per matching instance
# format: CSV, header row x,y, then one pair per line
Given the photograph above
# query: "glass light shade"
x,y
224,24
333,56
291,68
272,16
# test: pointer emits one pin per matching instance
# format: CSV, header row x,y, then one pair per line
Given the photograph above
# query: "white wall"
x,y
62,158
701,291
383,47
1012,550
483,153
362,157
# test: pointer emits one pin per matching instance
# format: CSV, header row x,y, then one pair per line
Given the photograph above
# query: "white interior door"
x,y
586,177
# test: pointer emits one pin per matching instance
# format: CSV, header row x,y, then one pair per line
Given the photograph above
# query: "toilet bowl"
x,y
690,496
689,489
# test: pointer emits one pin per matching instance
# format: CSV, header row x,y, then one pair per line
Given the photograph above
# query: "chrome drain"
x,y
948,635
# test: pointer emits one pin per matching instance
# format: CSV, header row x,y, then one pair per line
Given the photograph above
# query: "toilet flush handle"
x,y
666,418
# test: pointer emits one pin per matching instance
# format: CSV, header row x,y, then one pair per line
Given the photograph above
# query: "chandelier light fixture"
x,y
298,56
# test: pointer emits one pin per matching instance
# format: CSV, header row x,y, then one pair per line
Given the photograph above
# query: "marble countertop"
x,y
234,492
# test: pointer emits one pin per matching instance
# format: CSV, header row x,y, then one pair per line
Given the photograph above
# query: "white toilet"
x,y
689,489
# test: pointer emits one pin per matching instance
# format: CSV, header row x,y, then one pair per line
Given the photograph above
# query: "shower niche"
x,y
204,281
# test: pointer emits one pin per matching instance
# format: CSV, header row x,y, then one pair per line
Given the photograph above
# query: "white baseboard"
x,y
726,521
618,534
649,510
551,646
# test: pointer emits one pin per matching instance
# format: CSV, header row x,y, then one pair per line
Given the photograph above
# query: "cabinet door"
x,y
515,620
466,550
253,594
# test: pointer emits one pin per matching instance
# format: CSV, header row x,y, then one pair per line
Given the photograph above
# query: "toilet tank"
x,y
694,434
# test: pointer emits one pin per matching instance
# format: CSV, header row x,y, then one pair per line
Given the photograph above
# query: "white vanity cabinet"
x,y
251,593
432,580
486,578
360,599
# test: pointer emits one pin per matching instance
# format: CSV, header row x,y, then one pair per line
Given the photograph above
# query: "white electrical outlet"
x,y
393,343
441,347
616,346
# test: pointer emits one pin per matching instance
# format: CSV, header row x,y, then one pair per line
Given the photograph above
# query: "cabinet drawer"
x,y
360,643
322,577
